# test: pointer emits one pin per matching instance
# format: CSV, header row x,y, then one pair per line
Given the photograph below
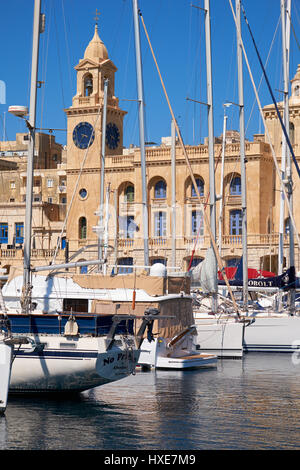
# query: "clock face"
x,y
112,135
83,135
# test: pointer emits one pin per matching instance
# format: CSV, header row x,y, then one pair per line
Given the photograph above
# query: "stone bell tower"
x,y
84,139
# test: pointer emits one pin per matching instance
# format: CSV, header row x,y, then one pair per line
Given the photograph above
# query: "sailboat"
x,y
70,348
277,331
216,334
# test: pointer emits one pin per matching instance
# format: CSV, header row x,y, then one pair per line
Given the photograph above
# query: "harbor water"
x,y
247,404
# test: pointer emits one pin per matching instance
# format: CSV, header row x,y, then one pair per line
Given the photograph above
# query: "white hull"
x,y
273,333
155,354
197,361
69,365
223,337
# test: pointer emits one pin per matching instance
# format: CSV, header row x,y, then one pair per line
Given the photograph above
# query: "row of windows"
x,y
128,226
160,189
18,234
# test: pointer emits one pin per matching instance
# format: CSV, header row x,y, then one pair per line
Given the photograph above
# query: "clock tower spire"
x,y
84,138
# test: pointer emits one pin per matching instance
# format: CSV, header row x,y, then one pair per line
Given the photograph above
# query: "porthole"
x,y
83,193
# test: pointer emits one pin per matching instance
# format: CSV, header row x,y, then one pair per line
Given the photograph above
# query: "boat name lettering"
x,y
110,360
261,283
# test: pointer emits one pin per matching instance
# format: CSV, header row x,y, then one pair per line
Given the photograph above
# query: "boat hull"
x,y
223,337
273,333
156,354
66,365
194,361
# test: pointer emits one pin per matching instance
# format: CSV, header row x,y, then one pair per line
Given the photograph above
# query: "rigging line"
x,y
44,72
200,225
272,95
294,32
59,60
213,242
75,189
267,131
67,44
261,78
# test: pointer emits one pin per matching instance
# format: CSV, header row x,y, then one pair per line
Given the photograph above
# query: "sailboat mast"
x,y
140,89
242,154
285,6
173,171
222,180
101,224
30,166
212,190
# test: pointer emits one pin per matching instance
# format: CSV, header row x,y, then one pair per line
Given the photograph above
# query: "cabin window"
x,y
160,190
82,228
76,305
200,186
235,186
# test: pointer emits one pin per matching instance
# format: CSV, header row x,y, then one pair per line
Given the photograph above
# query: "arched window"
x,y
82,228
159,260
200,186
297,90
129,193
232,262
195,261
88,85
160,190
287,226
292,133
235,186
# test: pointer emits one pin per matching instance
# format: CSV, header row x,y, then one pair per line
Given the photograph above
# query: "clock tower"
x,y
84,139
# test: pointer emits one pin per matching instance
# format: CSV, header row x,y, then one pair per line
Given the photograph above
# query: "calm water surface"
x,y
253,403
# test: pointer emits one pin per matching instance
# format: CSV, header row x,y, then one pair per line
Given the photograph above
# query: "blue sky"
x,y
176,30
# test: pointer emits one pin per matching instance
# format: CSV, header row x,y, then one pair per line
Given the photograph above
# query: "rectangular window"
x,y
197,223
131,227
50,199
50,183
160,224
12,184
3,232
19,232
236,222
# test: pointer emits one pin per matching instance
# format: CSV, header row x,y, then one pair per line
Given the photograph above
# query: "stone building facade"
x,y
75,190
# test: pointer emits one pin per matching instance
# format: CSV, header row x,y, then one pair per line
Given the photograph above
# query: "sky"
x,y
177,34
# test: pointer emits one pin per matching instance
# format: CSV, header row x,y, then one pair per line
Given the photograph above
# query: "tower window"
x,y
88,85
82,228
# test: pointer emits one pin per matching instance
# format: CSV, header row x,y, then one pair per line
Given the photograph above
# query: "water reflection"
x,y
244,404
